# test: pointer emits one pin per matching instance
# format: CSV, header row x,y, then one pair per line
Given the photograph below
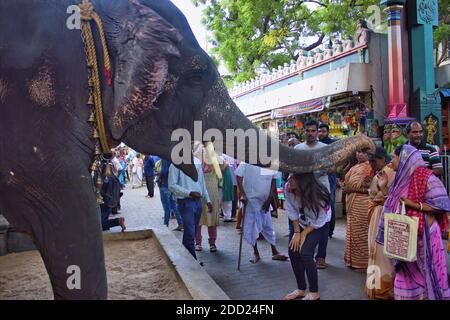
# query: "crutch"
x,y
242,235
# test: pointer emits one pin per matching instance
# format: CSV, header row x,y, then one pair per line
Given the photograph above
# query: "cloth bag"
x,y
400,235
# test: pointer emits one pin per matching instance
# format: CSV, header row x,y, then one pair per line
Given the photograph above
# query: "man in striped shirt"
x,y
415,133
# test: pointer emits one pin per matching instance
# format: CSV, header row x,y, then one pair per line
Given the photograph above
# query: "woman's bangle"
x,y
297,232
421,206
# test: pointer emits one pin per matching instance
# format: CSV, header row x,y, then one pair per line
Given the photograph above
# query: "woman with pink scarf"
x,y
425,197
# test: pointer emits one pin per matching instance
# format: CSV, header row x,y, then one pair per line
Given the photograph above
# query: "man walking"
x,y
311,135
257,187
167,199
324,131
189,194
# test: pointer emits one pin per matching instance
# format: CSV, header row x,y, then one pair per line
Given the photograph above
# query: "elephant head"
x,y
164,81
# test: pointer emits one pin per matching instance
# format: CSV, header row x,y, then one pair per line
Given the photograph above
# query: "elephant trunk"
x,y
221,113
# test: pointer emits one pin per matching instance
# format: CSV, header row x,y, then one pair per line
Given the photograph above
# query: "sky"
x,y
193,16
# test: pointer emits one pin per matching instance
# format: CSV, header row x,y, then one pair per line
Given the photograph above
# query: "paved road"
x,y
267,279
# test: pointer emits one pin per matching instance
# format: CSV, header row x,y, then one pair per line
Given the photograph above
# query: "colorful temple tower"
x,y
424,100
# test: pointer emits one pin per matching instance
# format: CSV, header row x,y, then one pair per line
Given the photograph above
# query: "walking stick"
x,y
242,235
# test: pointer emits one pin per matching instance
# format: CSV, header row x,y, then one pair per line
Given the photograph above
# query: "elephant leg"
x,y
64,221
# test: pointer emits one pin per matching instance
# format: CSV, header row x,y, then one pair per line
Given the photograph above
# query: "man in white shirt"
x,y
257,186
188,194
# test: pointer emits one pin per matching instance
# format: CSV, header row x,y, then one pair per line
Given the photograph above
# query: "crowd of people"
x,y
373,182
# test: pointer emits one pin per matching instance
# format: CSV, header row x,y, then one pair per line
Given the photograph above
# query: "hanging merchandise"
x,y
299,124
324,117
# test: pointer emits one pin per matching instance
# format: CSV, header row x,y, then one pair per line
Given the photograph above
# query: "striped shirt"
x,y
430,156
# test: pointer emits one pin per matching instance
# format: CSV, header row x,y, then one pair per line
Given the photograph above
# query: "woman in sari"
x,y
425,197
209,219
379,264
357,182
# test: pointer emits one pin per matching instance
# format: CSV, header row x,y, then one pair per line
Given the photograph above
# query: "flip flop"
x,y
294,295
279,257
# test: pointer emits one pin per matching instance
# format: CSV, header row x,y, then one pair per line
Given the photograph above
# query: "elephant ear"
x,y
142,42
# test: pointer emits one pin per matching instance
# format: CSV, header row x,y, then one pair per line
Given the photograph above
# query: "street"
x,y
267,279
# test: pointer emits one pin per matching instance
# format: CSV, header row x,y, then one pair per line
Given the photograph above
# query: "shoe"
x,y
213,248
198,247
179,228
320,263
309,297
229,220
296,294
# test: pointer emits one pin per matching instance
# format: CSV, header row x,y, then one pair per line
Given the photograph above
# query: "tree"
x,y
250,34
442,32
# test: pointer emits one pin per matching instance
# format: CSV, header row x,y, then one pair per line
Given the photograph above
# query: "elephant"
x,y
161,81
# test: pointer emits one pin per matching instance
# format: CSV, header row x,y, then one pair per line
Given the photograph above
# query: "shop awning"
x,y
260,117
354,77
299,108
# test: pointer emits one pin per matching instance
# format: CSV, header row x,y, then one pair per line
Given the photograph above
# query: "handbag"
x,y
400,235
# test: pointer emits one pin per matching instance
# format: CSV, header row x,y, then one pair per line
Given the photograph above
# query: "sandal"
x,y
213,248
320,263
309,297
198,247
279,257
296,294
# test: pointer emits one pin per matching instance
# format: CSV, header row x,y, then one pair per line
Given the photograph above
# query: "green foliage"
x,y
250,34
442,32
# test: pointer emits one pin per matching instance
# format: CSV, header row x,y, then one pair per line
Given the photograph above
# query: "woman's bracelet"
x,y
421,206
297,232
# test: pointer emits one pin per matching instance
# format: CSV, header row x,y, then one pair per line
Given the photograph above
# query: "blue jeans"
x,y
191,212
169,204
323,242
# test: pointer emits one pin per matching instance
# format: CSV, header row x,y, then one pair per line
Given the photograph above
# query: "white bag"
x,y
400,235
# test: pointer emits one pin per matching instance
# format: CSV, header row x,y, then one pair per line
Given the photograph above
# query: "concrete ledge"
x,y
18,241
197,281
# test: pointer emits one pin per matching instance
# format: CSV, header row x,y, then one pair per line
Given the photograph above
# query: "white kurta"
x,y
256,184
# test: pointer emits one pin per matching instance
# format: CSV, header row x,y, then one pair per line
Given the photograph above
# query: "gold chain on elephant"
x,y
95,96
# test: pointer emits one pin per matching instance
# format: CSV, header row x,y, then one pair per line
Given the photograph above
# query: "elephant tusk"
x,y
213,157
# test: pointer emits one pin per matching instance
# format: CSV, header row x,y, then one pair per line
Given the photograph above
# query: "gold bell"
x,y
95,134
97,151
99,198
90,82
92,117
91,100
99,182
108,171
94,166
